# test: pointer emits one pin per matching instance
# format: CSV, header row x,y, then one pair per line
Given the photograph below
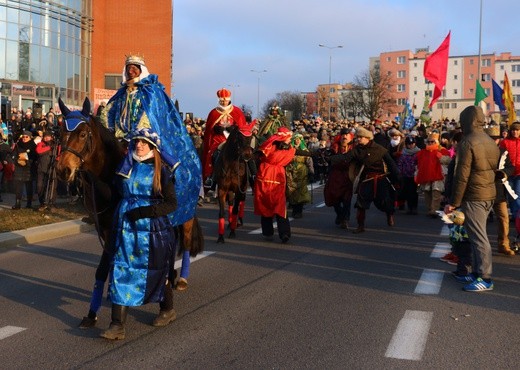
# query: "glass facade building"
x,y
45,51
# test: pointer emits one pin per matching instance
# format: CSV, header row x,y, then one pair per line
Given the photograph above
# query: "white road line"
x,y
445,231
7,331
199,256
409,339
320,205
430,282
259,231
440,250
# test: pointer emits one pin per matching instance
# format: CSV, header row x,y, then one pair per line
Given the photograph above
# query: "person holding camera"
x,y
46,183
23,156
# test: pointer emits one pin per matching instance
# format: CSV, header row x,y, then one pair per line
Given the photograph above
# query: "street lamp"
x,y
330,65
259,72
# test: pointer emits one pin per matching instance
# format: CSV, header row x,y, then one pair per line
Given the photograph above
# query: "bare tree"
x,y
374,93
287,101
351,103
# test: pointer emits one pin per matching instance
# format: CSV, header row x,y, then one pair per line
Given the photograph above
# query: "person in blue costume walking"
x,y
144,237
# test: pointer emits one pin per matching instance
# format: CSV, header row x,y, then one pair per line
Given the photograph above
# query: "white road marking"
x,y
430,282
445,231
7,331
320,205
409,339
259,231
199,256
440,250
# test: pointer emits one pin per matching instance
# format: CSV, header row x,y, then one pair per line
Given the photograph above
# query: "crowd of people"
x,y
466,167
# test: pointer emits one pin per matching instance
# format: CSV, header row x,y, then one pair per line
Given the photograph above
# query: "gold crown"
x,y
134,59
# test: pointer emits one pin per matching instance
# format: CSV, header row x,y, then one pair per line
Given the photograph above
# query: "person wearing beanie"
x,y
23,156
430,174
376,172
474,191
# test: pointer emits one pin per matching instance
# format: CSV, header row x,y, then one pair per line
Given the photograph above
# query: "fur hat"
x,y
362,132
394,132
494,131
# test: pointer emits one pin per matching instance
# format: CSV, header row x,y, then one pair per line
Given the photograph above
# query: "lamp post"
x,y
259,72
233,92
330,66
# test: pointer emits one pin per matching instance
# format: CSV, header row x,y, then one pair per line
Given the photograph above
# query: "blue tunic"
x,y
143,248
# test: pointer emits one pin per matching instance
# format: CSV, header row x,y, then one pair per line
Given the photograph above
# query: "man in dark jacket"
x,y
376,172
474,191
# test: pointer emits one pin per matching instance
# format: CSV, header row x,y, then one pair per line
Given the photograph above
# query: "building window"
x,y
455,77
486,77
415,79
471,76
113,82
487,91
455,62
471,61
401,87
439,105
486,63
401,60
453,105
401,74
415,64
502,68
472,91
415,92
455,91
516,98
515,83
389,73
401,101
388,59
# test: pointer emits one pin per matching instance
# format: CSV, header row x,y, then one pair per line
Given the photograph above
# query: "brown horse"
x,y
232,173
91,151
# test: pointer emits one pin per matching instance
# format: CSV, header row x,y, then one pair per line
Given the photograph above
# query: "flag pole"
x,y
480,41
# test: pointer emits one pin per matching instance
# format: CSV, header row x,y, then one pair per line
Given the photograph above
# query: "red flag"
x,y
436,68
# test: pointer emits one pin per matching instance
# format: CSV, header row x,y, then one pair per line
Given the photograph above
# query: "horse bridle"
x,y
85,148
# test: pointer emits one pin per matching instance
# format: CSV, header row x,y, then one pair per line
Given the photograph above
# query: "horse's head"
x,y
240,143
78,142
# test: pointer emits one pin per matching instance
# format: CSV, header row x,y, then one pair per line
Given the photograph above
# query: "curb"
x,y
42,233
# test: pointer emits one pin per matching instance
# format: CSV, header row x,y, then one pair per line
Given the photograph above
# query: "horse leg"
x,y
102,271
221,216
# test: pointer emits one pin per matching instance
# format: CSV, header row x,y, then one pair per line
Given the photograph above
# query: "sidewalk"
x,y
39,233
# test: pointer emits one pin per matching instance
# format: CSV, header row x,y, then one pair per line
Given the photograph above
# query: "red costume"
x,y
270,181
218,120
429,168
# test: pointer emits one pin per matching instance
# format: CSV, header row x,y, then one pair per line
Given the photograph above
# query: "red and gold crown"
x,y
134,58
224,94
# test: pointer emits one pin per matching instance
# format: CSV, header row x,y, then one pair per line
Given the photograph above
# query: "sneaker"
x,y
478,285
448,257
464,278
454,261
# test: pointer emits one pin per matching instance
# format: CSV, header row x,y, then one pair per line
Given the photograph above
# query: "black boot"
x,y
360,216
17,205
29,203
167,314
116,330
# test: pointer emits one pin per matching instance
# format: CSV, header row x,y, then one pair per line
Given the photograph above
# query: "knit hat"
x,y
362,132
27,133
409,140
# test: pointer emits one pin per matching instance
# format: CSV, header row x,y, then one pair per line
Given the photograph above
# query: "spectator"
x,y
407,165
23,156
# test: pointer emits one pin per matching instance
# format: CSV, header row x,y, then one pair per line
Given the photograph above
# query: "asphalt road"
x,y
328,299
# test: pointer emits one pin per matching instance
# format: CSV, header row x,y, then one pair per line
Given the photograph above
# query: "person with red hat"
x,y
219,120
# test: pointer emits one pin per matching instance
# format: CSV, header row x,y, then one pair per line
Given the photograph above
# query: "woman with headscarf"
x,y
144,241
298,173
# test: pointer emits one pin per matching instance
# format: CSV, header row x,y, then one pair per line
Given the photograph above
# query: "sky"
x,y
218,43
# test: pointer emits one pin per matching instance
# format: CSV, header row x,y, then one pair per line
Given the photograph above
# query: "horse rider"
x,y
219,121
274,121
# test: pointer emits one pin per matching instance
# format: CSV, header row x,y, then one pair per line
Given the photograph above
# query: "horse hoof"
x,y
232,234
220,239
